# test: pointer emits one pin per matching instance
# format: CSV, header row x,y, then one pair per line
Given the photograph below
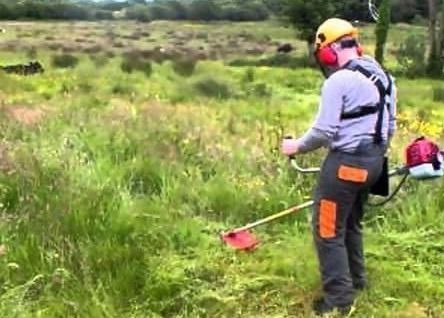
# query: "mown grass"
x,y
112,203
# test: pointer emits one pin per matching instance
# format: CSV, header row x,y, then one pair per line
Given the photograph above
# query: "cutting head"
x,y
241,240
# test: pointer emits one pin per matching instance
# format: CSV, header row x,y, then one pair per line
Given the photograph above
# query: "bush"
x,y
411,56
212,87
184,66
103,15
260,90
249,75
138,12
205,10
160,11
99,60
65,61
438,94
135,62
246,12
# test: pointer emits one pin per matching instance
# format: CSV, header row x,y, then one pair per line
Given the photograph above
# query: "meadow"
x,y
122,163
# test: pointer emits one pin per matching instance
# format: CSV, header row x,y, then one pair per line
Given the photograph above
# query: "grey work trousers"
x,y
341,192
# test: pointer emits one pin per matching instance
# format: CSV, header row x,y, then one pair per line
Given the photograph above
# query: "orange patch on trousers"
x,y
327,219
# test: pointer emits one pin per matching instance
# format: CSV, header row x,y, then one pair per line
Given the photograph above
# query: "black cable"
x,y
404,179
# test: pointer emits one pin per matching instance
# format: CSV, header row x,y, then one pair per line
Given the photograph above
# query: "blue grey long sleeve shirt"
x,y
343,92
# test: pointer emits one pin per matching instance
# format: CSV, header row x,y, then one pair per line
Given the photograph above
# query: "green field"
x,y
115,185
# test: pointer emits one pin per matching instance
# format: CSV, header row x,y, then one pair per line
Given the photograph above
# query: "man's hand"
x,y
289,147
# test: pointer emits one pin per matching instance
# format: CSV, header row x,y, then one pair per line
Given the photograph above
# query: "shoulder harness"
x,y
369,110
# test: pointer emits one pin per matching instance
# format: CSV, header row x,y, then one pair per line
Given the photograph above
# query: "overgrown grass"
x,y
112,204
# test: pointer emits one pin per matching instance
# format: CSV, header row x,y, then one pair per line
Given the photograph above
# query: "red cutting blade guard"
x,y
242,240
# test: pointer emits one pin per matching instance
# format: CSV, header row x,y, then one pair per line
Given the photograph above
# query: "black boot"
x,y
320,307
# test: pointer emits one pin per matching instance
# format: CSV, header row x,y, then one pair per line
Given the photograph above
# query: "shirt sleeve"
x,y
327,121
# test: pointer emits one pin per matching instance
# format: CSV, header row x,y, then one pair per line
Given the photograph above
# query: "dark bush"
x,y
246,12
212,87
65,61
205,10
103,15
139,12
99,60
185,66
134,62
438,94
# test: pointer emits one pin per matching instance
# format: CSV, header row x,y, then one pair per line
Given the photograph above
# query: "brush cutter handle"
x,y
274,217
394,172
298,168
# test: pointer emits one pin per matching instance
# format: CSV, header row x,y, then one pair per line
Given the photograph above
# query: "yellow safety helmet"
x,y
333,29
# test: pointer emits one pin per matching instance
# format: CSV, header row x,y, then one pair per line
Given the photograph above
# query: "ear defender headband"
x,y
328,57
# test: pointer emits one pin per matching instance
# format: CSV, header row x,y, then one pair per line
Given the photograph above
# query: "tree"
x,y
206,10
403,10
306,16
435,63
381,31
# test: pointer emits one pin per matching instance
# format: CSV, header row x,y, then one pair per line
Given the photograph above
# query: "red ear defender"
x,y
360,50
327,56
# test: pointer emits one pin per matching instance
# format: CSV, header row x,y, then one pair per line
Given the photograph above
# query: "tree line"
x,y
206,10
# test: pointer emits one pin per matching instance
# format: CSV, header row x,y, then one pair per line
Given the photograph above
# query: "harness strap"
x,y
369,110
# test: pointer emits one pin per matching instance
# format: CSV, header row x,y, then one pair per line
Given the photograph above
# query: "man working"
x,y
356,121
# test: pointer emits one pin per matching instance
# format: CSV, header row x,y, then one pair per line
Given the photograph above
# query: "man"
x,y
356,121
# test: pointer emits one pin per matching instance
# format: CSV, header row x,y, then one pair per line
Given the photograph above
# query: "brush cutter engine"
x,y
424,160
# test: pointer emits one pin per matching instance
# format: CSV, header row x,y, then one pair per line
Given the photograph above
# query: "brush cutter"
x,y
424,161
242,239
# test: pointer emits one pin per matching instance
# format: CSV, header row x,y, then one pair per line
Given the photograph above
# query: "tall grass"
x,y
112,205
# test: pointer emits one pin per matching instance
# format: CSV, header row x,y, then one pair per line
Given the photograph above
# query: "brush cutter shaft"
x,y
274,217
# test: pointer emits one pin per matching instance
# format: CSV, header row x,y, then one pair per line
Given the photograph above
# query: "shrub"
x,y
212,87
438,94
99,60
65,61
249,75
135,62
138,12
411,56
184,66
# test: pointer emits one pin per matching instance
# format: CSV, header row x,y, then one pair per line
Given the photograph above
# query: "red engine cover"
x,y
421,151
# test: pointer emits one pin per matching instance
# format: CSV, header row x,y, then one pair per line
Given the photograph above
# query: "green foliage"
x,y
133,61
306,16
411,56
205,10
403,10
65,61
211,86
382,29
438,94
435,62
139,12
185,66
247,11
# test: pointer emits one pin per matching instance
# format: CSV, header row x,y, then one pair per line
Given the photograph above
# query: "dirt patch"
x,y
25,115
